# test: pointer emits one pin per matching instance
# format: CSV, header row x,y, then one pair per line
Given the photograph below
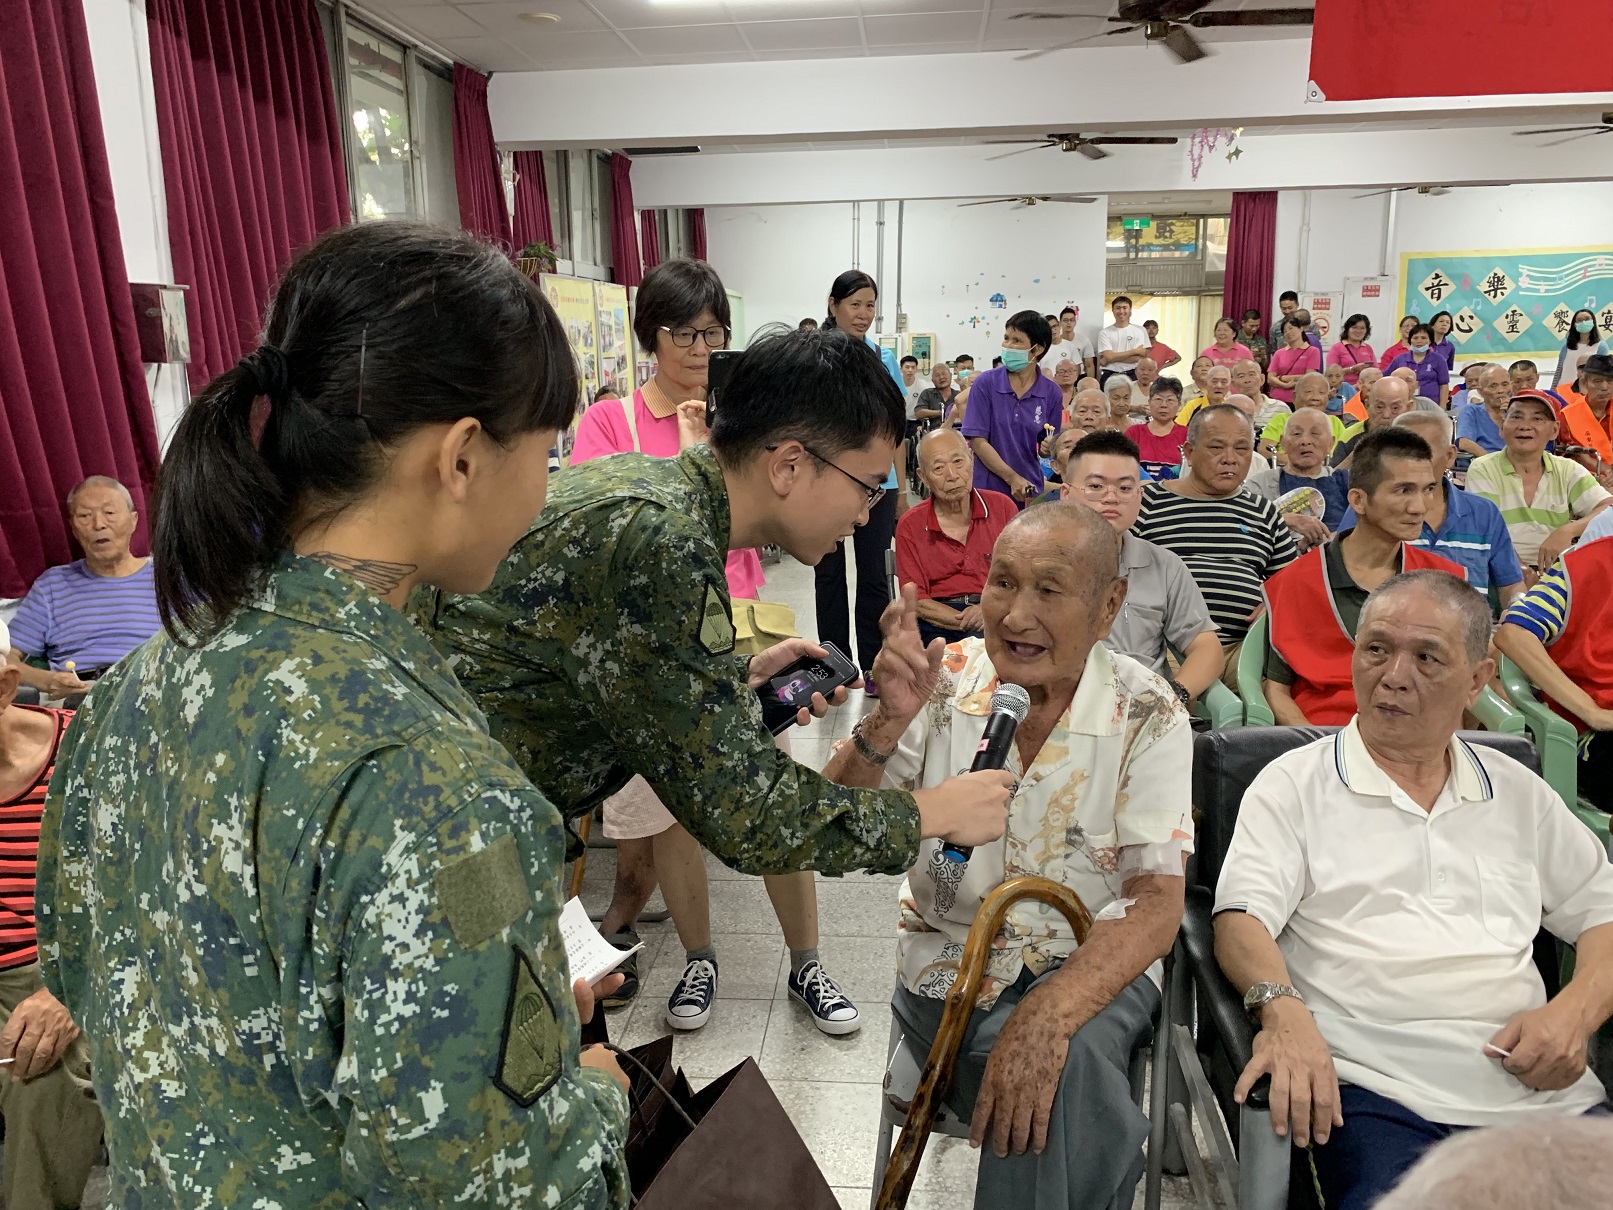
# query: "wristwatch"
x,y
1181,691
1262,994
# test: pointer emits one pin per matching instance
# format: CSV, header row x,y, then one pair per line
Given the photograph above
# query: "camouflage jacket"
x,y
604,648
307,914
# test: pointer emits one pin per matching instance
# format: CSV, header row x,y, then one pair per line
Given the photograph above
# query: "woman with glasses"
x,y
852,302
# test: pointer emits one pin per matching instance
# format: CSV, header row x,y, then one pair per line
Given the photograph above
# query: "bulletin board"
x,y
1511,303
614,338
573,300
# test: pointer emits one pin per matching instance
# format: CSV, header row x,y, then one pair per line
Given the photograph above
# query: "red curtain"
x,y
1251,251
628,270
73,396
650,240
531,216
482,209
251,158
697,234
1498,46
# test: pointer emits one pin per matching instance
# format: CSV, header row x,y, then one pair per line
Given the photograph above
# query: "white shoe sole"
x,y
834,1028
687,1022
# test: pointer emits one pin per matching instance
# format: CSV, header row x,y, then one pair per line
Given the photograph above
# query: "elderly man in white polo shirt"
x,y
1103,763
1378,906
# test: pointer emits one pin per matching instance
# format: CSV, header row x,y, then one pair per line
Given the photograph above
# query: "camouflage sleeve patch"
x,y
484,893
529,1052
716,626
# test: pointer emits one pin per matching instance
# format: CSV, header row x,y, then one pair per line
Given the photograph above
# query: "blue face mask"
x,y
1583,327
1419,349
1015,360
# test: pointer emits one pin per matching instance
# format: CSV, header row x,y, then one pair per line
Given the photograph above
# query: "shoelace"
x,y
692,988
818,986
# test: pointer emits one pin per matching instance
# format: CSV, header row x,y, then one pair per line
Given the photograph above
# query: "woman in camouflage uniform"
x,y
304,909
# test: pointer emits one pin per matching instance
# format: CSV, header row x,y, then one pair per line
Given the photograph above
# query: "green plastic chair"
x,y
1221,706
1491,710
1557,741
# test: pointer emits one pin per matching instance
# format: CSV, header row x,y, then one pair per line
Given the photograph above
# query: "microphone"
x,y
1009,706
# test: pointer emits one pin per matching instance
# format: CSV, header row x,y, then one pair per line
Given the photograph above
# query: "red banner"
x,y
1367,49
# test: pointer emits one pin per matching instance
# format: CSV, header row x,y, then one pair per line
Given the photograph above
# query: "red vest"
x,y
1584,650
1304,628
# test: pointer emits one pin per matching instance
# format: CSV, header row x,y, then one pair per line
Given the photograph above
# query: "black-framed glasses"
x,y
716,336
875,494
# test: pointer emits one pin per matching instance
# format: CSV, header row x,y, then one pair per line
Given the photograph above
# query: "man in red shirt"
x,y
1314,604
943,546
53,1127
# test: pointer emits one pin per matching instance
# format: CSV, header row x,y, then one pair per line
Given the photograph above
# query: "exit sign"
x,y
1136,224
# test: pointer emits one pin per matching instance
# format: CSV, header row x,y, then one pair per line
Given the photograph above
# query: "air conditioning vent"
x,y
635,152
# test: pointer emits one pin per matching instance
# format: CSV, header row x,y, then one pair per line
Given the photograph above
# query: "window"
x,y
579,212
378,141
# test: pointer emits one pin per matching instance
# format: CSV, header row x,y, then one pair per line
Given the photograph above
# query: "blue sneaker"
x,y
831,1011
689,1006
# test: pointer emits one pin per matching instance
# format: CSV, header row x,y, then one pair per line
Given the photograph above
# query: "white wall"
x,y
783,258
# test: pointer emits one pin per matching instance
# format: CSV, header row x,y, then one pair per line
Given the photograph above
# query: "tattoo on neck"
x,y
379,576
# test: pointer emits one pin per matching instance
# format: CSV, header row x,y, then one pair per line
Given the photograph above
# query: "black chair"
x,y
1253,1168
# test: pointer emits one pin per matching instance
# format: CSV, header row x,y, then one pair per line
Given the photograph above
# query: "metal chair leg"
x,y
1154,1178
882,1149
1263,1160
904,1163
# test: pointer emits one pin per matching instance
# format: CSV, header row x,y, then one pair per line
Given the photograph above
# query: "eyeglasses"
x,y
716,336
875,494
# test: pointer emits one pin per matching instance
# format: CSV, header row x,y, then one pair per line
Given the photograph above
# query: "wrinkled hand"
x,y
586,995
1552,547
603,1060
692,428
1304,1084
1022,489
38,1034
780,656
63,684
905,670
971,617
1307,527
1547,1045
1022,1077
1599,720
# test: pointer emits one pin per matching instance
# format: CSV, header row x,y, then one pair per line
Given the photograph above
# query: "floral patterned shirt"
x,y
1108,795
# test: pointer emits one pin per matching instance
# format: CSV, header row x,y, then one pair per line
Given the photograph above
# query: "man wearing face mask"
x,y
1012,410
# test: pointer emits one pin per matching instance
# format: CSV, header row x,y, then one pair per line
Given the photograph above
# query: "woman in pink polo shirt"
x,y
682,314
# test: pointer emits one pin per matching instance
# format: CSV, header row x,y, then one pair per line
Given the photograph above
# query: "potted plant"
x,y
537,257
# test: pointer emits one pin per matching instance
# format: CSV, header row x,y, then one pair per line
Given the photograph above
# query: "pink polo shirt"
x,y
603,430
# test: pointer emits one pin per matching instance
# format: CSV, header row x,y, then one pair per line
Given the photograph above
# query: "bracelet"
x,y
865,749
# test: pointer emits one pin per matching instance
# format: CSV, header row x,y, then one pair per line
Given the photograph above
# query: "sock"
x,y
799,958
707,952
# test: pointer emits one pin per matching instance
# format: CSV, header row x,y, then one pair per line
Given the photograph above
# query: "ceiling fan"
x,y
1093,149
1575,132
1021,203
1170,23
1425,190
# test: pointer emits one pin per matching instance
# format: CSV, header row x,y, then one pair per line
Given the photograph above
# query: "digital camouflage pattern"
x,y
604,648
307,914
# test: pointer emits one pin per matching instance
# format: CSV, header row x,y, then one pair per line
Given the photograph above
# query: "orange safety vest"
x,y
1583,650
1299,605
1581,427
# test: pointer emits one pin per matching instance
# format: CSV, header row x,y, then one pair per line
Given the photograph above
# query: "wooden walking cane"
x,y
904,1161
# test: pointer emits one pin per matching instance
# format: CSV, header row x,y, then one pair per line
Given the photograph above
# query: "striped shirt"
x,y
1231,545
73,614
1543,610
19,855
1566,492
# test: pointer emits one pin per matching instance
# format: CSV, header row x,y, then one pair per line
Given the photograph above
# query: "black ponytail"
x,y
847,284
374,332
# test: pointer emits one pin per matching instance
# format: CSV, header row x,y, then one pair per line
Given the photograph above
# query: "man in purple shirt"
x,y
1012,410
86,616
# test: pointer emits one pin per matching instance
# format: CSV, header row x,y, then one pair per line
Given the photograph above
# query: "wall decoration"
x,y
615,341
1509,303
999,301
1203,141
573,301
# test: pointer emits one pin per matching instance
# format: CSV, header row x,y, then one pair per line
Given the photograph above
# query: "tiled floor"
x,y
830,1086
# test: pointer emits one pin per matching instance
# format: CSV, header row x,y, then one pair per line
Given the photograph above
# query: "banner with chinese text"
x,y
1508,304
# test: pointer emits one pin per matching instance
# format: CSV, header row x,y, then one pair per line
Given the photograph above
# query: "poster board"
x,y
614,338
1373,297
573,301
1509,303
1326,308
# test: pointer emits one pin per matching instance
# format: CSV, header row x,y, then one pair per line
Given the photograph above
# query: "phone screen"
x,y
786,693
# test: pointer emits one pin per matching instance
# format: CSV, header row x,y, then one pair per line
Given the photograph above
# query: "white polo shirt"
x,y
1077,350
1409,933
1114,339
